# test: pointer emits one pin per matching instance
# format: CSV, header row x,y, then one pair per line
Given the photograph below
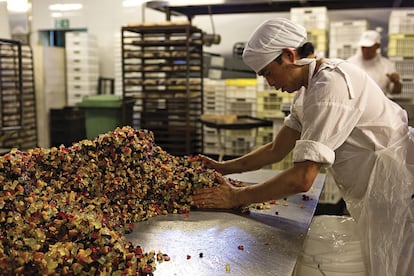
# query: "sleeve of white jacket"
x,y
325,119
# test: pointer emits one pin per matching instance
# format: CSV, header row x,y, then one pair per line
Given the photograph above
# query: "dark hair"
x,y
305,50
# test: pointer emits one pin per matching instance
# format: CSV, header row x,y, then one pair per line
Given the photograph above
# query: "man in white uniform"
x,y
341,121
378,67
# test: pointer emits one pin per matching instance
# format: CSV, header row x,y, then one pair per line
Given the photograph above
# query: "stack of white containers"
x,y
401,48
118,64
213,103
241,100
224,97
82,66
344,37
316,22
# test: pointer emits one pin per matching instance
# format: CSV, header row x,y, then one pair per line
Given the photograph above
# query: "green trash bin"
x,y
103,113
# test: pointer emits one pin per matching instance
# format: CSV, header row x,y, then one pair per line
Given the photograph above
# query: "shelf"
x,y
17,96
162,70
187,8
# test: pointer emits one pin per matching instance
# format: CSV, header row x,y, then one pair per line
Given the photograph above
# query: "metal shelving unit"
x,y
162,72
17,96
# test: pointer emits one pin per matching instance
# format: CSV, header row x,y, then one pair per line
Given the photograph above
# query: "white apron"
x,y
371,164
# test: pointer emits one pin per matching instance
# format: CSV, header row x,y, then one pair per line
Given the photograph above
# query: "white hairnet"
x,y
268,40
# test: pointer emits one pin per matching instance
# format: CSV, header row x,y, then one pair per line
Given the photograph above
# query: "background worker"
x,y
369,148
379,68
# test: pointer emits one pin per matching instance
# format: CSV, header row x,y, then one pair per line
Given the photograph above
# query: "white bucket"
x,y
332,248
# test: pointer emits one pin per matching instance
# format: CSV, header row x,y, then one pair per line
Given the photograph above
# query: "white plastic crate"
x,y
214,104
347,32
401,22
264,136
241,106
401,45
241,88
81,69
76,77
239,132
246,92
238,145
268,103
211,148
81,53
407,89
83,88
404,66
310,17
342,51
83,61
214,110
285,163
76,39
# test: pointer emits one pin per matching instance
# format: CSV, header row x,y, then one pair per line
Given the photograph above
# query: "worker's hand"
x,y
213,164
222,196
394,77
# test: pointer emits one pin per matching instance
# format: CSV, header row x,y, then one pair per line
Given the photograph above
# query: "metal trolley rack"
x,y
17,96
163,73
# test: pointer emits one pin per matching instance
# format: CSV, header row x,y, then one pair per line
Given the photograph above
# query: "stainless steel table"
x,y
263,242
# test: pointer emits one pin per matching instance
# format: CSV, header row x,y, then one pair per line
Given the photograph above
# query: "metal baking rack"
x,y
11,85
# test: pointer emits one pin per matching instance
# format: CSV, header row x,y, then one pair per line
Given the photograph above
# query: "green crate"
x,y
103,113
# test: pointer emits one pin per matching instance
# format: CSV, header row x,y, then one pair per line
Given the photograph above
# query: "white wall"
x,y
104,18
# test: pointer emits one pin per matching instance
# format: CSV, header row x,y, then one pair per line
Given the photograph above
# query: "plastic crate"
x,y
285,163
347,32
241,106
343,51
404,66
268,103
407,90
264,136
401,45
241,82
80,39
319,39
310,17
401,22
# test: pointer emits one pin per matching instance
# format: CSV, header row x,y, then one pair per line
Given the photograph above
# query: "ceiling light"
x,y
132,3
65,7
19,6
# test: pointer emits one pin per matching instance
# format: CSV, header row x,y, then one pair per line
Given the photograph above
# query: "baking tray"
x,y
262,242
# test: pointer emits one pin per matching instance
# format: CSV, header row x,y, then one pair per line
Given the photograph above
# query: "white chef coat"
x,y
377,68
347,123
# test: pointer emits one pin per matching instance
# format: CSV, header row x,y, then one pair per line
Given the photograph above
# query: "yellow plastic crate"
x,y
401,45
241,82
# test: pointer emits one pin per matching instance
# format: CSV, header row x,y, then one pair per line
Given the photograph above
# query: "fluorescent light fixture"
x,y
18,6
132,3
56,14
65,7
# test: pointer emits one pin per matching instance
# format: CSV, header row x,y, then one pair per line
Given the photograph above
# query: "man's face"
x,y
369,52
281,76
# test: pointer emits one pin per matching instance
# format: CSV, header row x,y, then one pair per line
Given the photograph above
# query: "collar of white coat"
x,y
333,64
312,66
